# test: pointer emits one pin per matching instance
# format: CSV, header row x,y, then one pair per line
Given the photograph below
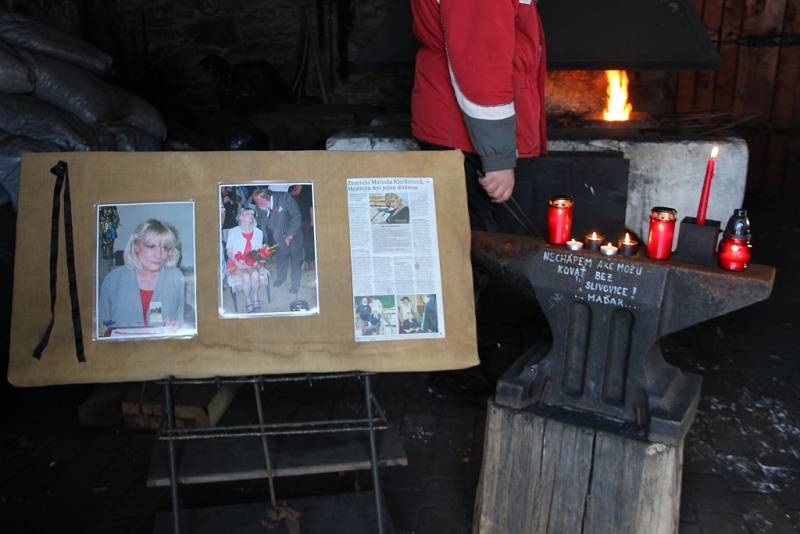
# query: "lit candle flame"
x,y
617,106
627,240
714,152
594,236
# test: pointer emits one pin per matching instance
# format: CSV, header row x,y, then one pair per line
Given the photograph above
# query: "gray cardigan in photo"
x,y
120,305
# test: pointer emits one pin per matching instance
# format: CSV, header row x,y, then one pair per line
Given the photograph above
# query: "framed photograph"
x,y
267,250
145,271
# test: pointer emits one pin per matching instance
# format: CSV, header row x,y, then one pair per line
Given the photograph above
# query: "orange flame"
x,y
617,106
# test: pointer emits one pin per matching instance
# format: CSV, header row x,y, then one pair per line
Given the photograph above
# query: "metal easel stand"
x,y
370,424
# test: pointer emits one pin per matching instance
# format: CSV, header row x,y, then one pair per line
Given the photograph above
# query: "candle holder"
x,y
593,241
734,249
662,231
559,219
628,246
609,250
697,243
574,244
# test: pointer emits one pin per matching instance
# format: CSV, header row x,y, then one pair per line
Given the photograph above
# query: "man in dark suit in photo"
x,y
278,215
430,315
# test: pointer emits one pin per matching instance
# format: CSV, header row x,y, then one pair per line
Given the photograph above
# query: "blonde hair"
x,y
392,196
242,210
153,229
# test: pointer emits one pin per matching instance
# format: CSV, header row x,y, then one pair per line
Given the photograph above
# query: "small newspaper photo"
x,y
394,254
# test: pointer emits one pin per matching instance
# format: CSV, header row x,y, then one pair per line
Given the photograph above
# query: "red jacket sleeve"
x,y
479,41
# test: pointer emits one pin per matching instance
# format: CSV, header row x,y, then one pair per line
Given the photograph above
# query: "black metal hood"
x,y
626,34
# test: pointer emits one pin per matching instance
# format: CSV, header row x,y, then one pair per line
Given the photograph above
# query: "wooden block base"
x,y
544,476
196,406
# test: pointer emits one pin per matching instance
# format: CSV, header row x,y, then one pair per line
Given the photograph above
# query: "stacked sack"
x,y
52,99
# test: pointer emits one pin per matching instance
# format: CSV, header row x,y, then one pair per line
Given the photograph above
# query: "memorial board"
x,y
270,344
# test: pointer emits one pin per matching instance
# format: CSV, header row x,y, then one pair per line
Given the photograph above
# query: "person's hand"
x,y
498,184
288,240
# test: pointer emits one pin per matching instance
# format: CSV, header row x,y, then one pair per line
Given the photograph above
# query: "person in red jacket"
x,y
479,87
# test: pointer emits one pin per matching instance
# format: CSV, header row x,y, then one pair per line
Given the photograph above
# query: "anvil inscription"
x,y
614,283
606,316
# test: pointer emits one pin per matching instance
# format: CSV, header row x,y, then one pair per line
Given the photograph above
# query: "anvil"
x,y
607,315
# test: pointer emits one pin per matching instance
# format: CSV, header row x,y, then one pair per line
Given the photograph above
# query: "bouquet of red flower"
x,y
260,256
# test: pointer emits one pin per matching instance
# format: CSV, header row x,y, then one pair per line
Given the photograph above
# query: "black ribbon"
x,y
61,172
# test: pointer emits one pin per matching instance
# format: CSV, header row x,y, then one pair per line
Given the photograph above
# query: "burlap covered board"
x,y
315,343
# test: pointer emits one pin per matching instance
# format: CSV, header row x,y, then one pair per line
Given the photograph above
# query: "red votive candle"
x,y
734,253
734,249
559,219
662,231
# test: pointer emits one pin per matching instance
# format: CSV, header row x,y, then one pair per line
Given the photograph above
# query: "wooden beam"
x,y
785,110
756,79
725,84
758,65
705,80
684,98
685,91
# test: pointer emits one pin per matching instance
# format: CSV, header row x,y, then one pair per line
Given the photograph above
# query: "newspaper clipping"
x,y
394,250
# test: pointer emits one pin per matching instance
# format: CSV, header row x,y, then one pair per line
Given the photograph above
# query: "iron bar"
x,y
265,380
771,41
265,446
185,434
370,424
376,481
732,124
173,469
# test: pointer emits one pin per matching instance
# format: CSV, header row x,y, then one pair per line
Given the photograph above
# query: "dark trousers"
x,y
291,256
483,213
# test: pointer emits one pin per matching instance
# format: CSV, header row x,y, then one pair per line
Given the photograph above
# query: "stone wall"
x,y
162,42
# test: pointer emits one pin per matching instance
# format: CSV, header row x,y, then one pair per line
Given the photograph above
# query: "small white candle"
x,y
609,250
574,244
